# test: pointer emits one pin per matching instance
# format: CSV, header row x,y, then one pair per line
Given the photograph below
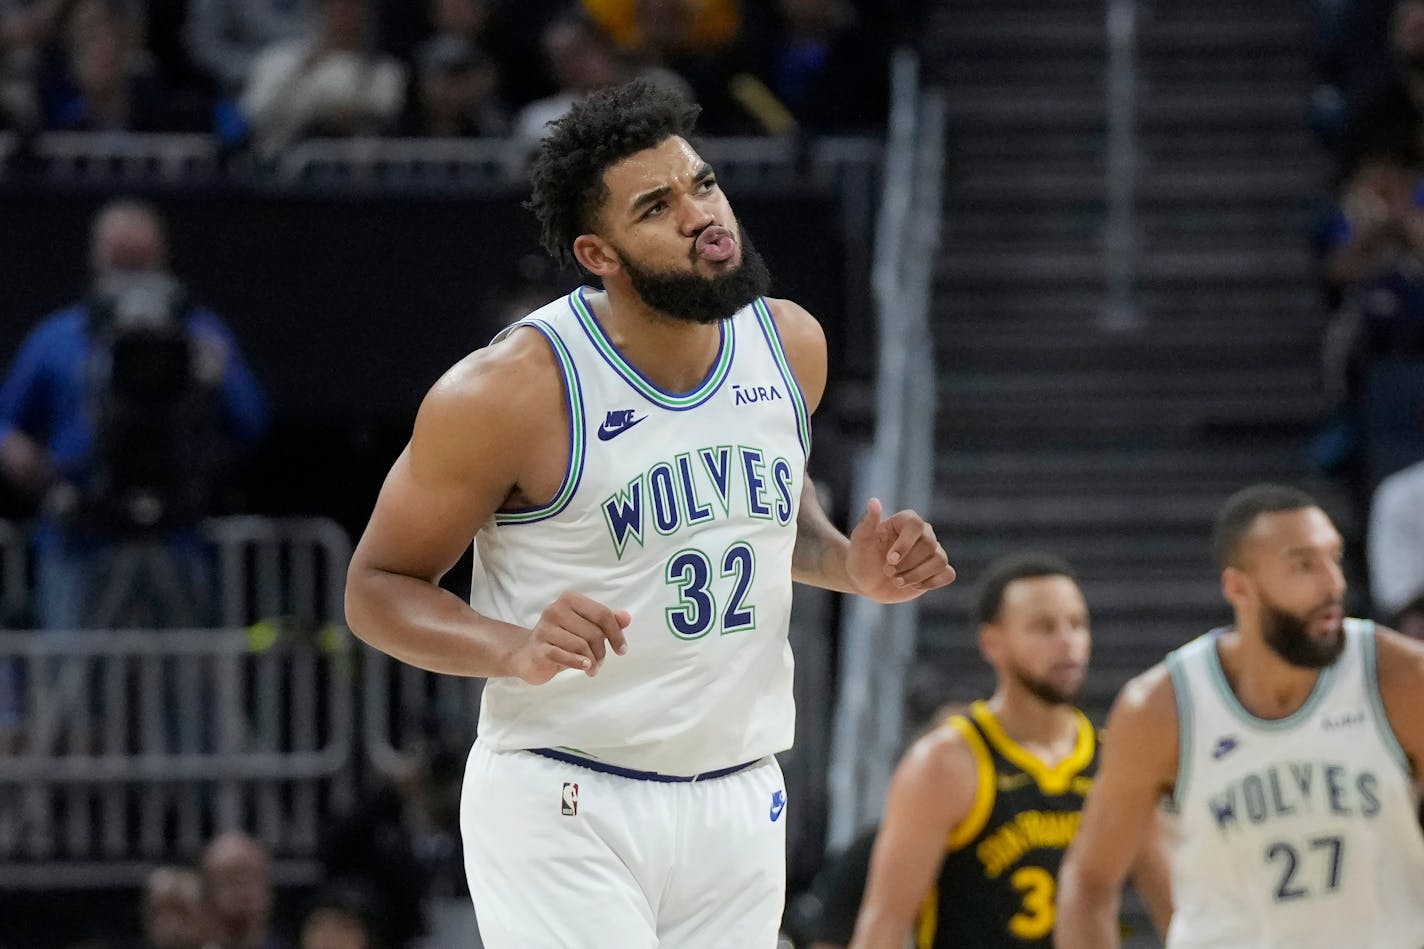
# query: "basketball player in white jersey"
x,y
631,464
1285,751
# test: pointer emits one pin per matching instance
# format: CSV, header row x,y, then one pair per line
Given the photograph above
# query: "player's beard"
x,y
1289,636
1043,689
694,298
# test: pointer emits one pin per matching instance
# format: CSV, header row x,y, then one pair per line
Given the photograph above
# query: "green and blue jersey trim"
x,y
1180,690
778,353
677,402
1371,664
1233,704
573,392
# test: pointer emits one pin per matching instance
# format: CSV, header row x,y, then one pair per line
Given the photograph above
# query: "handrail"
x,y
877,642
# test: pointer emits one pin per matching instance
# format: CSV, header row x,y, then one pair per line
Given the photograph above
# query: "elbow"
x,y
1083,894
356,600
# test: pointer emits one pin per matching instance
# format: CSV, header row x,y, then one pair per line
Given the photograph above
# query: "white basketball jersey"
x,y
1295,833
680,509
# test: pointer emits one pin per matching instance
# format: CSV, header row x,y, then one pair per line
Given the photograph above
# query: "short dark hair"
x,y
989,595
1240,511
597,133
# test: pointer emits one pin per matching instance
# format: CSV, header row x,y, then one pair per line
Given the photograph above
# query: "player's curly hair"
x,y
598,132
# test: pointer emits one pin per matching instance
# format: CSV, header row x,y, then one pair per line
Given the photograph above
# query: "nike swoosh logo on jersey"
x,y
617,422
778,804
1224,746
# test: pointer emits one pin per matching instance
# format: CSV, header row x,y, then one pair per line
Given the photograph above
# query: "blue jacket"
x,y
44,393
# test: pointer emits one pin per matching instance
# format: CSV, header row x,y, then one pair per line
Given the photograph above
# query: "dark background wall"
x,y
350,305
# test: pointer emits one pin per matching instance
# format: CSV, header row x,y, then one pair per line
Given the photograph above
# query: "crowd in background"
x,y
1369,111
262,74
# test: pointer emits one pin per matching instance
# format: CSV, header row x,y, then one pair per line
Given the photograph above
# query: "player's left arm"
x,y
889,559
1152,878
1400,665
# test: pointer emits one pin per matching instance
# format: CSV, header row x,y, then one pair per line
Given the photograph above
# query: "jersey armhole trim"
x,y
573,395
928,925
969,828
1370,660
1177,672
778,355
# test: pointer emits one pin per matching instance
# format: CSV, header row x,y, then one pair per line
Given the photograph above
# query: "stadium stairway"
x,y
1114,447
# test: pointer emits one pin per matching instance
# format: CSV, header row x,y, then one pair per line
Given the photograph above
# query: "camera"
x,y
153,399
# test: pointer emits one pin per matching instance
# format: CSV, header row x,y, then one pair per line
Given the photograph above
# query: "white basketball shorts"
x,y
563,857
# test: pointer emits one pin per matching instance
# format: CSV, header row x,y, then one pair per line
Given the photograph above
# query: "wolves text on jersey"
x,y
1305,787
698,487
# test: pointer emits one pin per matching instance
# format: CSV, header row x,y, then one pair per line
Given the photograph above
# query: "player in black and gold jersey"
x,y
981,808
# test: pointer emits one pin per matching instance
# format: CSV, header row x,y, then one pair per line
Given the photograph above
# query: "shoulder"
x,y
1400,666
493,393
1150,697
805,343
1143,720
945,756
1400,488
63,327
517,369
795,323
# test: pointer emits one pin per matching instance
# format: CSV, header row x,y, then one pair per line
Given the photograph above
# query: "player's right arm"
x,y
932,792
490,433
1139,766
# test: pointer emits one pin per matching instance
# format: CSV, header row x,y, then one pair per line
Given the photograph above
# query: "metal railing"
x,y
122,748
878,642
137,745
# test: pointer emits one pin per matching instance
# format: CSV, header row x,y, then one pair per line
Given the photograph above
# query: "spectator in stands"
x,y
640,24
108,83
173,913
457,92
341,916
53,401
403,841
1378,226
467,19
331,82
1392,121
1396,542
238,890
225,36
825,66
25,27
696,39
582,59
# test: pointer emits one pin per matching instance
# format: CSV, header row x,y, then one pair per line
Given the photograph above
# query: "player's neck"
x,y
675,355
1265,684
1049,730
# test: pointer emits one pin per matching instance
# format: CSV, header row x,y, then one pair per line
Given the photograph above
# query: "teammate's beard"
x,y
698,299
1289,637
1044,690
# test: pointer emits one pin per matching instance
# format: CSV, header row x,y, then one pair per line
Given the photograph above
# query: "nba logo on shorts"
x,y
570,808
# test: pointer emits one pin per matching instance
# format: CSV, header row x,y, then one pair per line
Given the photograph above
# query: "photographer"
x,y
112,418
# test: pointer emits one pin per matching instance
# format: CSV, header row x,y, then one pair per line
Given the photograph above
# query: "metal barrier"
x,y
125,158
480,163
122,748
136,746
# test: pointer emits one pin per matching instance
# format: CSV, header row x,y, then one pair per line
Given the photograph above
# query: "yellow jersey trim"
x,y
1055,780
978,815
929,920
